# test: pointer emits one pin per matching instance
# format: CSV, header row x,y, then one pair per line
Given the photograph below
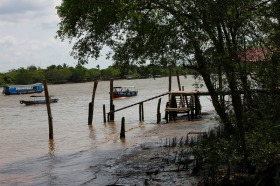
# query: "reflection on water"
x,y
28,157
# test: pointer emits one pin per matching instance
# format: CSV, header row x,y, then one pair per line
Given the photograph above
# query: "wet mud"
x,y
163,159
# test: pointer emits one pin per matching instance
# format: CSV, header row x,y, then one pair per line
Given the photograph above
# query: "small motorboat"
x,y
124,91
37,100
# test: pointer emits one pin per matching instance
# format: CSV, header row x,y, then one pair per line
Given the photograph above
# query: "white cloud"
x,y
27,31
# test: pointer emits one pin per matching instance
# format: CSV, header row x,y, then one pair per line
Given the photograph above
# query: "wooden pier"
x,y
138,103
183,102
180,102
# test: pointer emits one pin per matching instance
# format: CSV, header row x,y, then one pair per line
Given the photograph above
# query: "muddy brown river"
x,y
27,157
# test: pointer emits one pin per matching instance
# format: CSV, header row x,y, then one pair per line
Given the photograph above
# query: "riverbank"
x,y
155,159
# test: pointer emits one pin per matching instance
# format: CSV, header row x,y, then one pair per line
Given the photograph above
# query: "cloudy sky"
x,y
27,31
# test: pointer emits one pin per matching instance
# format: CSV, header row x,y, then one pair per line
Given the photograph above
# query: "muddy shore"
x,y
152,159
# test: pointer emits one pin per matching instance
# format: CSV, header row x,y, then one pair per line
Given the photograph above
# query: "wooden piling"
x,y
197,106
140,112
142,108
158,111
50,119
178,80
108,116
90,116
112,114
122,134
167,113
170,80
104,114
90,113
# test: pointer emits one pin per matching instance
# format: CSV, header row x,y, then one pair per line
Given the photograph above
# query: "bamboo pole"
x,y
50,119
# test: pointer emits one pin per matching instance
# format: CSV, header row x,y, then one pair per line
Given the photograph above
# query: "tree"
x,y
38,75
2,82
206,36
79,74
58,75
93,74
23,77
110,72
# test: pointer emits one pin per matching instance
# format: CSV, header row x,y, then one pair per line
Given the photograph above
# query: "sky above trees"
x,y
27,36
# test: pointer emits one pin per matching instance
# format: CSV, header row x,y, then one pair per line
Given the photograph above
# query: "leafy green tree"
x,y
2,82
60,75
32,68
10,77
206,36
109,73
79,74
38,76
93,74
23,76
51,67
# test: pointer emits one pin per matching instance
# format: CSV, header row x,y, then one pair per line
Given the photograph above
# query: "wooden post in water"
x,y
112,114
90,113
169,85
142,111
170,80
178,80
158,111
197,106
91,105
122,134
166,113
108,116
47,97
104,114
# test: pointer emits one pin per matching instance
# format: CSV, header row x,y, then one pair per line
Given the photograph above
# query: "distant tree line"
x,y
58,74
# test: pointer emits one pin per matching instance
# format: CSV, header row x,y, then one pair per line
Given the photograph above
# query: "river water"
x,y
28,157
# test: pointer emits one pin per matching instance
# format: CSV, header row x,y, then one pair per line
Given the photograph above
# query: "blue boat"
x,y
23,89
124,91
37,101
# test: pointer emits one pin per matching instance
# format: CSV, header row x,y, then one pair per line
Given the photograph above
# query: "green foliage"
x,y
110,72
79,74
38,75
264,146
2,82
210,38
23,76
63,74
93,74
58,75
